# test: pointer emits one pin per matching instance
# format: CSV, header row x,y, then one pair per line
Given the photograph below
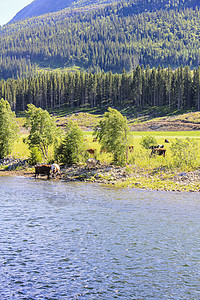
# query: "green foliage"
x,y
43,130
113,134
69,150
184,152
12,67
110,38
148,141
35,155
8,128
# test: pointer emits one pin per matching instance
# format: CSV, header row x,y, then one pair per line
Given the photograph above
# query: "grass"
x,y
153,172
146,172
140,157
20,149
158,184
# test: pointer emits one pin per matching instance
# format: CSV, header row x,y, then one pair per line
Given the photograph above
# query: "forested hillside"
x,y
112,38
179,89
41,7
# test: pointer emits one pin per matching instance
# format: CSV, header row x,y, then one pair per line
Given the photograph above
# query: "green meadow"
x,y
153,172
139,156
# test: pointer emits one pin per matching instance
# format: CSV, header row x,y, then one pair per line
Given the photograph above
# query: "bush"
x,y
148,141
184,152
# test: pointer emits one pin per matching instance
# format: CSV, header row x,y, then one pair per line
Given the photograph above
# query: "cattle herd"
x,y
159,149
54,169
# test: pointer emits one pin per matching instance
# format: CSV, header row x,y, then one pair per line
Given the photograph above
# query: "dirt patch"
x,y
165,126
23,173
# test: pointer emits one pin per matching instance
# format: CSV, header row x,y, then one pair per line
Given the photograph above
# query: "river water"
x,y
83,241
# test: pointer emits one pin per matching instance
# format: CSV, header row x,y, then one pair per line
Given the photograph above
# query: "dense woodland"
x,y
178,89
119,49
111,38
10,67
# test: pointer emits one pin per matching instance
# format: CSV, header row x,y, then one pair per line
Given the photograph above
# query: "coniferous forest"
x,y
118,49
178,89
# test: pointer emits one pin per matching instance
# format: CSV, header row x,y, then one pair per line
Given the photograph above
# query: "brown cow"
x,y
91,151
130,148
160,151
42,169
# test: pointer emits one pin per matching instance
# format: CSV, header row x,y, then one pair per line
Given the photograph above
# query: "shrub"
x,y
184,152
148,141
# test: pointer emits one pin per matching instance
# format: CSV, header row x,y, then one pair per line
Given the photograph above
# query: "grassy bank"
x,y
142,170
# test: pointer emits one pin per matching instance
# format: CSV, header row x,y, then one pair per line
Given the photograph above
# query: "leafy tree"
x,y
68,152
113,133
43,130
148,141
8,128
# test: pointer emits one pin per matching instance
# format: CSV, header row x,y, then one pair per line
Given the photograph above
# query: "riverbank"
x,y
123,177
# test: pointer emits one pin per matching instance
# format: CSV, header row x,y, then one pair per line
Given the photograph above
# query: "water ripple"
x,y
82,241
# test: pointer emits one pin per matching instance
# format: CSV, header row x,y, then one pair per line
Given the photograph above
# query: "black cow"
x,y
157,150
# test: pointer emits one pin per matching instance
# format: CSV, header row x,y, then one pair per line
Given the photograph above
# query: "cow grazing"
x,y
55,169
130,148
94,140
91,151
92,163
160,151
166,141
42,169
157,150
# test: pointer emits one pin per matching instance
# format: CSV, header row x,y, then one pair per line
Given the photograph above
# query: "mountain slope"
x,y
108,37
40,7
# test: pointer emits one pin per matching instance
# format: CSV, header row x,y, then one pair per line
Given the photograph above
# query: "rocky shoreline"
x,y
115,176
121,177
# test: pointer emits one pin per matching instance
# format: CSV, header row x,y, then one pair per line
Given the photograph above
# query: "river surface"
x,y
83,241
